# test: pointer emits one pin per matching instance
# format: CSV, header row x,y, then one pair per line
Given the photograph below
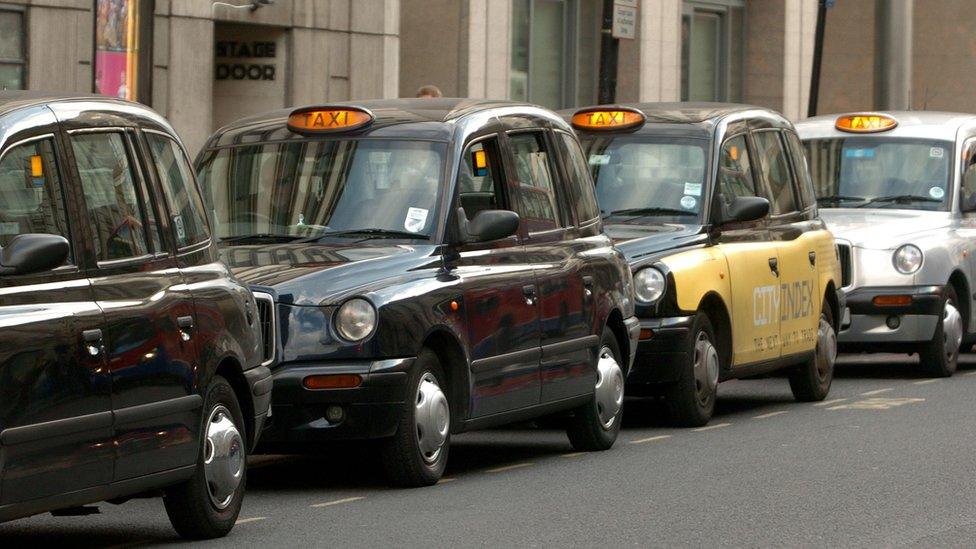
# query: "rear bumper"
x,y
866,325
662,356
371,410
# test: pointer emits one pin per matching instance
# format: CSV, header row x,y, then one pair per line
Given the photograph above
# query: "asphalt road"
x,y
889,460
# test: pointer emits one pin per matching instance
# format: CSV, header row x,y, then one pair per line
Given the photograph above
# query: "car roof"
x,y
918,124
420,117
692,118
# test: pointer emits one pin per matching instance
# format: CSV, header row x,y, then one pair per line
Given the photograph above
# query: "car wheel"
x,y
940,357
690,401
595,425
417,454
206,506
811,381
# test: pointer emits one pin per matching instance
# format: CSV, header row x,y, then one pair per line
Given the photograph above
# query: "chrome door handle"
x,y
186,324
530,295
93,341
587,286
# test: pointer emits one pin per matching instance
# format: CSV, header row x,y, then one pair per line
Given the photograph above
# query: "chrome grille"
x,y
266,315
844,253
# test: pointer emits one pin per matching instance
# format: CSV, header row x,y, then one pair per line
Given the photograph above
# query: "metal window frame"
x,y
23,60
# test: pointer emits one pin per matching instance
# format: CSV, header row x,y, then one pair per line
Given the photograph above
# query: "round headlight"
x,y
649,285
907,259
355,319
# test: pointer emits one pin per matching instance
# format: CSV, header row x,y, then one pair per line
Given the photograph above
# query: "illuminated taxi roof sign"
x,y
605,119
328,119
865,123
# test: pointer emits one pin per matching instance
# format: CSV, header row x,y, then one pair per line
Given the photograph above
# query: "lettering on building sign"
x,y
229,49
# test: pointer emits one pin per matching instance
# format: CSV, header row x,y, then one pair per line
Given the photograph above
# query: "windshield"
x,y
367,188
879,172
648,179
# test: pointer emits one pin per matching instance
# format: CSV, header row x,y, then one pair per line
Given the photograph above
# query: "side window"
x,y
968,198
30,192
735,171
537,204
479,180
182,197
802,170
587,208
776,172
116,218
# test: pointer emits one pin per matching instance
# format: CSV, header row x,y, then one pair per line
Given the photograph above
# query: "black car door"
x,y
55,393
148,309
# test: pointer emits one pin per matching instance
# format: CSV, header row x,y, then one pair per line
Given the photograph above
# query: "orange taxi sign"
x,y
615,118
328,119
865,123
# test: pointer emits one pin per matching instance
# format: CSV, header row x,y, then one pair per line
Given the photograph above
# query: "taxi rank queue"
x,y
406,270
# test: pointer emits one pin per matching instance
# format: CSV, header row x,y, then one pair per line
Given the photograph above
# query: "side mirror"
x,y
745,208
33,253
488,225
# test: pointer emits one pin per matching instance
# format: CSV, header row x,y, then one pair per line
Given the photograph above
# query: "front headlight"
x,y
649,285
907,259
355,320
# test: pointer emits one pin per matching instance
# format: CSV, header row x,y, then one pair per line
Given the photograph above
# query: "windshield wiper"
x,y
649,211
259,236
368,233
904,198
836,198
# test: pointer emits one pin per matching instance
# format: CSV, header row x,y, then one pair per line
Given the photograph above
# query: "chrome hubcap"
x,y
609,392
826,348
706,368
432,417
223,462
951,329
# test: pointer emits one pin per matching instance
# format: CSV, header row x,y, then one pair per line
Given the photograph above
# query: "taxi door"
x,y
753,263
796,242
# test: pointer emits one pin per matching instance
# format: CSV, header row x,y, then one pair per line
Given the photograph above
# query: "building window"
x,y
123,43
711,50
13,48
544,38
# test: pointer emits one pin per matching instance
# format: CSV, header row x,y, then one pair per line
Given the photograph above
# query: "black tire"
x,y
811,381
586,430
933,360
690,401
403,459
189,505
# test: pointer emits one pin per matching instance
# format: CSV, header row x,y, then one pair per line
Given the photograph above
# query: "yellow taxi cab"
x,y
735,274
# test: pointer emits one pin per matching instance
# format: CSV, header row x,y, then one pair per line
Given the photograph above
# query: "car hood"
x,y
877,228
322,274
646,241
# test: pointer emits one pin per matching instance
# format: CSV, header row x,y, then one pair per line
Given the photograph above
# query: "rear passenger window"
x,y
30,192
116,219
735,171
536,194
802,170
185,205
776,172
587,208
479,183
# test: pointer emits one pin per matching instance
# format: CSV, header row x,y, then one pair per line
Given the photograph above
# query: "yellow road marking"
x,y
445,480
710,427
509,467
770,414
247,520
572,455
650,439
877,391
338,501
877,404
926,381
829,402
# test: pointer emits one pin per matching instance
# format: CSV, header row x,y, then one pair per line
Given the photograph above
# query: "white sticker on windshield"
x,y
180,229
694,189
936,152
688,202
416,219
599,159
937,192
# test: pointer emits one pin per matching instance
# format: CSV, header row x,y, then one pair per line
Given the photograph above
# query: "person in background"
x,y
429,92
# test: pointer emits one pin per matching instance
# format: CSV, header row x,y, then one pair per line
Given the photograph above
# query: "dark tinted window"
x,y
115,215
579,177
776,172
30,192
735,171
537,194
802,169
185,205
479,179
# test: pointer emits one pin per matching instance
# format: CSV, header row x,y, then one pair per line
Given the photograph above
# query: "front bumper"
x,y
371,410
865,324
662,356
633,335
259,382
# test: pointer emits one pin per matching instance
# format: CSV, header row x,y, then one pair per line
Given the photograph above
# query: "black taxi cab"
x,y
735,275
130,357
428,266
